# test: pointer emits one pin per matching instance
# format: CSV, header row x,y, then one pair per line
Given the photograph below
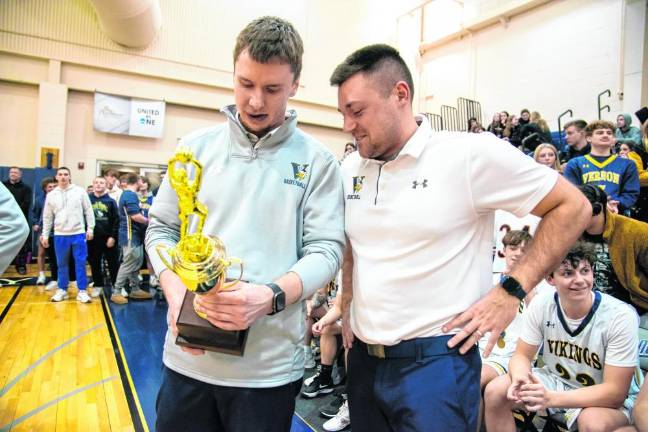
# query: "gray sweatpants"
x,y
129,269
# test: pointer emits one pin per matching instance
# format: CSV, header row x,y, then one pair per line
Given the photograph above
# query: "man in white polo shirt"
x,y
419,217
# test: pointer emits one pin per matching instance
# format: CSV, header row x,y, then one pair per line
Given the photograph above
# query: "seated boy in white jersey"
x,y
590,355
515,243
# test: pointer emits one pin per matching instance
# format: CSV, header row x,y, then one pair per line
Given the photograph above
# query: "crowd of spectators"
x,y
100,225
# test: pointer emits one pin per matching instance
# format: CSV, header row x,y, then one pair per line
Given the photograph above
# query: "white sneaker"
x,y
51,285
124,293
311,378
41,279
83,297
96,291
340,421
60,295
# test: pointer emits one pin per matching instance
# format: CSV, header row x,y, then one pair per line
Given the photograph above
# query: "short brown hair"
x,y
578,124
517,237
599,124
46,181
111,173
580,251
270,37
380,60
131,178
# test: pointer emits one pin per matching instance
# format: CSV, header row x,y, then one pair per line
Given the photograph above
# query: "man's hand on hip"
x,y
492,313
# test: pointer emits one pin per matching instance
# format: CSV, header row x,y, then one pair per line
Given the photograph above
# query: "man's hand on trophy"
x,y
238,308
174,291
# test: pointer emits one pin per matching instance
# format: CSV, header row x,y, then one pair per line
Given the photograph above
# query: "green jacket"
x,y
631,135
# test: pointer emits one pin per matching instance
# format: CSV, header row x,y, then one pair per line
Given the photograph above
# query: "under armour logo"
x,y
550,324
416,184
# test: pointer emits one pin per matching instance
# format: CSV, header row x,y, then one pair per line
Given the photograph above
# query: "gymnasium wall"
x,y
559,55
555,56
53,56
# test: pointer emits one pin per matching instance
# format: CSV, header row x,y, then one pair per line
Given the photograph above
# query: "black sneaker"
x,y
316,388
330,410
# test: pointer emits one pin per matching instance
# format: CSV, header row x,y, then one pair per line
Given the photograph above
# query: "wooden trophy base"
x,y
197,332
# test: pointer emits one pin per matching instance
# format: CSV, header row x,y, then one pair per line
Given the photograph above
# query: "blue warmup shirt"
x,y
617,176
145,203
130,232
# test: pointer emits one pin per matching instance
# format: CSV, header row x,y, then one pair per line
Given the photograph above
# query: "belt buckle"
x,y
376,350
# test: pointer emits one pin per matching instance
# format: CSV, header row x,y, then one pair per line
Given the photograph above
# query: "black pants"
x,y
97,249
185,404
21,258
51,256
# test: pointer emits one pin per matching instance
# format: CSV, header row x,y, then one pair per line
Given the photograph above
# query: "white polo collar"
x,y
417,142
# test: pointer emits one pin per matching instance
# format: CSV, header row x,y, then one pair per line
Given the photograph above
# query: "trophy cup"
x,y
199,260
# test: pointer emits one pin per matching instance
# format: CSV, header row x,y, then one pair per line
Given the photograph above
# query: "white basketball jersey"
x,y
506,343
607,334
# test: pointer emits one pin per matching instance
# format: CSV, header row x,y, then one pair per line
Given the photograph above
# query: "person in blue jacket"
x,y
617,176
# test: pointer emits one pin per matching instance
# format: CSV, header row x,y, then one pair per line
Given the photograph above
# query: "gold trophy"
x,y
199,260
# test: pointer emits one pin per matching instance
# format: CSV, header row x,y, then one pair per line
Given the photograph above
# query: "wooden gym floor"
x,y
71,366
62,366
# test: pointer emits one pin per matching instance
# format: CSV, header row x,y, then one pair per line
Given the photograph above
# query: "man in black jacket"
x,y
23,196
576,140
104,242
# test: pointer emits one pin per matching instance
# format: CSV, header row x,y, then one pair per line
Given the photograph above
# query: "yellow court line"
x,y
127,369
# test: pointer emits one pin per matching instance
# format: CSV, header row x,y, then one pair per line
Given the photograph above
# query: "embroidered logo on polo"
x,y
357,187
300,172
423,183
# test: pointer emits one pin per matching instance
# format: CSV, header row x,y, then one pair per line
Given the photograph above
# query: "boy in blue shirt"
x,y
132,226
617,176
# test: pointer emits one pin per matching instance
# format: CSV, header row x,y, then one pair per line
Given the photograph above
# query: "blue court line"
x,y
300,425
18,377
53,402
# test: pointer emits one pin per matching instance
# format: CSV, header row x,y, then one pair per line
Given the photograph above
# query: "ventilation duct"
x,y
132,23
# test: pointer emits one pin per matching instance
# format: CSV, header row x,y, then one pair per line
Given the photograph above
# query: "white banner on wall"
x,y
122,115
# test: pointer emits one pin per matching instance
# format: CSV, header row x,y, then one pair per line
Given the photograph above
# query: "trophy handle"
x,y
228,262
160,248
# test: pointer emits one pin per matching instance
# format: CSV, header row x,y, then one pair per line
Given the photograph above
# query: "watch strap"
x,y
513,287
276,289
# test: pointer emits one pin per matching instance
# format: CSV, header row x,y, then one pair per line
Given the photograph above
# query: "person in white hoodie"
x,y
68,209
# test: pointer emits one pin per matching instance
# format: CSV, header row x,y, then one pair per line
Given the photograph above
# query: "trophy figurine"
x,y
199,260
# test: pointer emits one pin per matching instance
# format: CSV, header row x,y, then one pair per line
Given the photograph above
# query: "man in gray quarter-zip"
x,y
274,196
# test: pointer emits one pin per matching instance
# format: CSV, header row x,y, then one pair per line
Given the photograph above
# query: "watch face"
x,y
280,302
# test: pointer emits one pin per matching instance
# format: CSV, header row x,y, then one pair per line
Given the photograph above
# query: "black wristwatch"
x,y
513,287
279,299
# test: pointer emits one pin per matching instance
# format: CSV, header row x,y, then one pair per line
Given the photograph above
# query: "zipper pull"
x,y
253,153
